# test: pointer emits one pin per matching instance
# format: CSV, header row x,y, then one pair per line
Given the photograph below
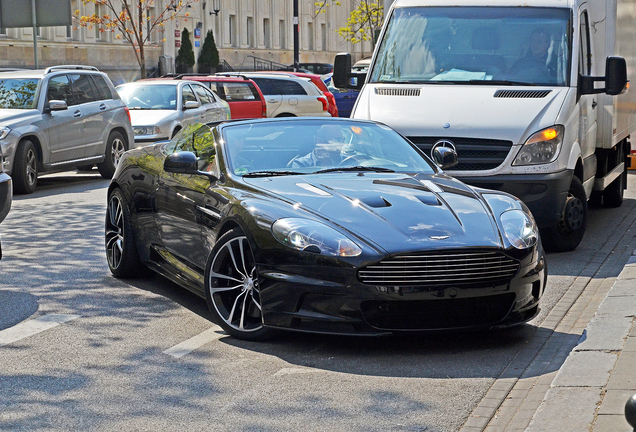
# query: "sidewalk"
x,y
590,390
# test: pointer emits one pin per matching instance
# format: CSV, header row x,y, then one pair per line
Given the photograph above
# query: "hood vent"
x,y
522,94
384,91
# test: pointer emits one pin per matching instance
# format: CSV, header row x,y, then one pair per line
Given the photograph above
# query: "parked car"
x,y
162,107
6,195
58,119
361,66
314,68
322,225
289,96
318,82
242,94
345,98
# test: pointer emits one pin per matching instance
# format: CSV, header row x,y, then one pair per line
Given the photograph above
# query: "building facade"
x,y
249,34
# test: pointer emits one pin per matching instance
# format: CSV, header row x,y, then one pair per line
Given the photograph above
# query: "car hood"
x,y
395,212
151,117
9,116
505,113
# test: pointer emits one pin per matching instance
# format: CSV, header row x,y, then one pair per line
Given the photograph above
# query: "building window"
x,y
267,39
323,36
149,19
250,32
310,36
232,25
281,34
3,32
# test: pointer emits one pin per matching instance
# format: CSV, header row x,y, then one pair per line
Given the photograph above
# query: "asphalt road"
x,y
81,350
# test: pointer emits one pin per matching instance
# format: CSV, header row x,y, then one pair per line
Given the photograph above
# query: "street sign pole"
x,y
35,34
296,47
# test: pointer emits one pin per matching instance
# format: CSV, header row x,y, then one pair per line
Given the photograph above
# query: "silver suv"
x,y
60,118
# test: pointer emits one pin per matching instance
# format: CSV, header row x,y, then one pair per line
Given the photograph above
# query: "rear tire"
x,y
25,168
568,232
115,148
613,194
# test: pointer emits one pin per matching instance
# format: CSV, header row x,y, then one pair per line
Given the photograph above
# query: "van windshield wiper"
x,y
502,82
355,168
271,173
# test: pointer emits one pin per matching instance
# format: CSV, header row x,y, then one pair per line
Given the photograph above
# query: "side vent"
x,y
384,91
522,94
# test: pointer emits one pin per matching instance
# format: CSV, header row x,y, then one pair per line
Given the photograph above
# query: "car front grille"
x,y
438,314
445,268
473,154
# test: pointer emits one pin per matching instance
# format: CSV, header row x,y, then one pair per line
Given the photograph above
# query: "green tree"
x,y
185,55
364,22
209,56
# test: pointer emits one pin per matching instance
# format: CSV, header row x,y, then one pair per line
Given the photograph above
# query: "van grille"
x,y
522,94
384,91
473,154
441,268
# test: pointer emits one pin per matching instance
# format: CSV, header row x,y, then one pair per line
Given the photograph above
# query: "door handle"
x,y
594,104
77,114
102,106
272,101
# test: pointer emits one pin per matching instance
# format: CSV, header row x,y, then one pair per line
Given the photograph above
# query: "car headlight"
x,y
146,130
520,228
312,236
4,131
542,147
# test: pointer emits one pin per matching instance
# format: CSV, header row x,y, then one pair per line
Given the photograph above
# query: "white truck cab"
x,y
526,93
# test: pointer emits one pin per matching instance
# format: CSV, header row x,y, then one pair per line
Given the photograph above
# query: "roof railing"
x,y
48,70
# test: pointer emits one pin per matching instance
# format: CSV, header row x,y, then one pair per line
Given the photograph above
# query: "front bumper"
x,y
544,194
333,300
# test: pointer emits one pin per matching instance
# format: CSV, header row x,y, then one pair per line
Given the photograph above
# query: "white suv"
x,y
60,118
289,96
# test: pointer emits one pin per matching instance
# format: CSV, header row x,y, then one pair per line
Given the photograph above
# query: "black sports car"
x,y
322,225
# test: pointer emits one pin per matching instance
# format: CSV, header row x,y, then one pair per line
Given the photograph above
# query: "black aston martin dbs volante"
x,y
322,225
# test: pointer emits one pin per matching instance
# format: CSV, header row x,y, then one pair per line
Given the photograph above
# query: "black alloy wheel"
x,y
568,232
121,250
115,148
25,168
232,288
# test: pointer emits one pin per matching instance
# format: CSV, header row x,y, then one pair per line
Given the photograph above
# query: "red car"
x,y
331,100
242,94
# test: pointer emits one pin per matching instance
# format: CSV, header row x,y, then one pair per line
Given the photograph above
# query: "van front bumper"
x,y
544,194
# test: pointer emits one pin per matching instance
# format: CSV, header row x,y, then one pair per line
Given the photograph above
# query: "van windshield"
x,y
473,45
18,93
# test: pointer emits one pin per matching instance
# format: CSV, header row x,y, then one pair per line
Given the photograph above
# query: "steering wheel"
x,y
353,160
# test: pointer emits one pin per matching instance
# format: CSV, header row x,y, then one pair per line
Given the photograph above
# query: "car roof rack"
x,y
48,70
181,76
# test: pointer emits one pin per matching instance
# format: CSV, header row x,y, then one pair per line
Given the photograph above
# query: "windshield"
x,y
156,97
310,146
18,93
472,44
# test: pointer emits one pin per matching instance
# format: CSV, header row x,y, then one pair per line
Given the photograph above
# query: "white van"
x,y
524,92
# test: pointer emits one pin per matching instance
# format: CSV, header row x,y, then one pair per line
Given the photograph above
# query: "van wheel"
x,y
568,232
613,194
25,168
115,148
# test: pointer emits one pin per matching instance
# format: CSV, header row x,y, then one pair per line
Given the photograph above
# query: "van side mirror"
x,y
616,81
343,77
615,78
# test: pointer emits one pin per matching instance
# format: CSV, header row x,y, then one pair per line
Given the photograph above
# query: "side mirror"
x,y
185,162
191,105
444,157
616,81
343,77
56,105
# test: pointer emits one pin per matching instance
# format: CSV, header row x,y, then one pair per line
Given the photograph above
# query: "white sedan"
x,y
159,108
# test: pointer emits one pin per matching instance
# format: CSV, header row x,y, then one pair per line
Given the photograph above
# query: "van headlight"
x,y
313,236
520,228
542,147
4,131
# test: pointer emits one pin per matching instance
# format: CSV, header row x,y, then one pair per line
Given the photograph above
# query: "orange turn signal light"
x,y
550,134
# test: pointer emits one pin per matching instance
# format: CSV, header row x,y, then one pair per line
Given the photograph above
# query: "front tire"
x,y
115,148
25,168
568,232
232,288
121,250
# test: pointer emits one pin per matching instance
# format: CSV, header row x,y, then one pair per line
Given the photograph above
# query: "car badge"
x,y
446,125
444,237
443,143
